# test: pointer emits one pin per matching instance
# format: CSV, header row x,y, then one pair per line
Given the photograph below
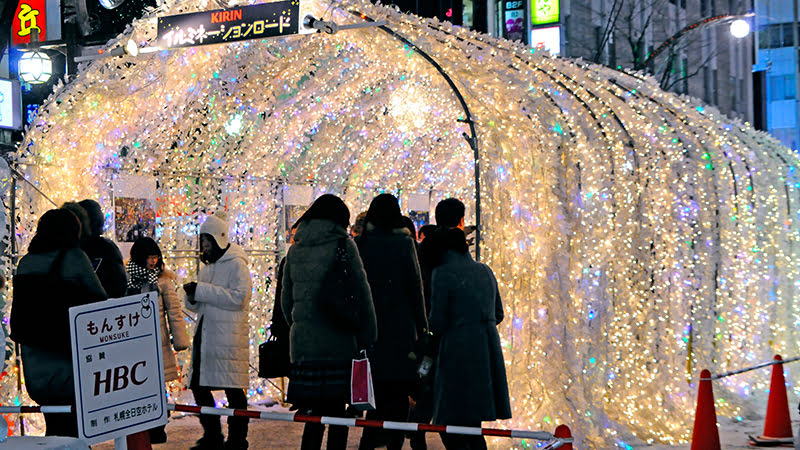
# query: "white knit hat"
x,y
217,226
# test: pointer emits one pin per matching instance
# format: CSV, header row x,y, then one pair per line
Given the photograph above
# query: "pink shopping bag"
x,y
362,396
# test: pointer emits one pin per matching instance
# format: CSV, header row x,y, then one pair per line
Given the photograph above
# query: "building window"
x,y
684,72
781,87
714,87
776,35
706,85
787,136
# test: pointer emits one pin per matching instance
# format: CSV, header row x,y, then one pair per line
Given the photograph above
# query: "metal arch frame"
x,y
471,140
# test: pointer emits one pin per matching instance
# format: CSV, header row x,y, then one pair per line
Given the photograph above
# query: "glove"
x,y
190,288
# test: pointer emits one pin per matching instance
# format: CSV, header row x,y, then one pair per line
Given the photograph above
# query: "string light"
x,y
637,236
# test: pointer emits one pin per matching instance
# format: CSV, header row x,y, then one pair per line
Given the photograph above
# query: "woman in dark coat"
x,y
470,384
54,276
322,349
390,259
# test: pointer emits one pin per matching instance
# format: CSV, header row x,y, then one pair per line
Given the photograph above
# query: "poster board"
x,y
117,366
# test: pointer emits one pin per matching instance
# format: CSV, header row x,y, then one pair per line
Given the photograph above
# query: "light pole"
x,y
738,19
795,36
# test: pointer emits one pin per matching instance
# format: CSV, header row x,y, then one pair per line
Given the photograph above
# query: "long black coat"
x,y
470,384
390,260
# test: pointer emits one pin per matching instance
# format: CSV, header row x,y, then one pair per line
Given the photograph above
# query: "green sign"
x,y
544,11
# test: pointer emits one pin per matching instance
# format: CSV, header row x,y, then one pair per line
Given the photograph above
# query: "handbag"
x,y
362,395
340,295
273,359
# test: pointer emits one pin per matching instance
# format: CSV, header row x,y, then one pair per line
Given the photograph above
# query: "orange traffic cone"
x,y
562,431
705,435
777,425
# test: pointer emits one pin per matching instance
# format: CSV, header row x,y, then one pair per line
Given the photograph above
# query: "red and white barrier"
x,y
552,441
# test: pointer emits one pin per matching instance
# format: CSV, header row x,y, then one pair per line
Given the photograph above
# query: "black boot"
x,y
212,434
237,433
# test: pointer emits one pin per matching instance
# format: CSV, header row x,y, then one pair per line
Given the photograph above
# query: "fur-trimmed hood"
x,y
400,230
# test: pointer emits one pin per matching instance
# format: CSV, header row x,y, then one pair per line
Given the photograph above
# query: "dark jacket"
x,y
278,327
470,384
314,336
110,270
390,260
40,306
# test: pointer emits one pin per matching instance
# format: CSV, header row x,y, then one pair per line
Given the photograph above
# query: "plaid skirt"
x,y
315,383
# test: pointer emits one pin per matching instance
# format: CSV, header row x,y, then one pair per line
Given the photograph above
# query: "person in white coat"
x,y
220,350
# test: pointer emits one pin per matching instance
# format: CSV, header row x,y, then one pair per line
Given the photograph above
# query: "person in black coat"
x,y
322,347
449,214
390,260
279,328
52,277
103,253
470,385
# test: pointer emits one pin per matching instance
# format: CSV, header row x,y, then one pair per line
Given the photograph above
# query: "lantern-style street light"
x,y
35,67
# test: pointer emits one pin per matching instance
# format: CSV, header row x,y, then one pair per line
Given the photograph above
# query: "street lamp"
x,y
35,67
740,28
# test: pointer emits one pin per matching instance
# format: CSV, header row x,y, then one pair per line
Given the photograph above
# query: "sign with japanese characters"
x,y
544,11
230,25
36,21
116,356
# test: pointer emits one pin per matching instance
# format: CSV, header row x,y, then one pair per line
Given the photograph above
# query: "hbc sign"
x,y
119,378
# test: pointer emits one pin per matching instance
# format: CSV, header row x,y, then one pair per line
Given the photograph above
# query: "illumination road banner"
x,y
230,25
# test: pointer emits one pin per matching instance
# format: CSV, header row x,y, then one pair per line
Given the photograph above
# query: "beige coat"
x,y
172,324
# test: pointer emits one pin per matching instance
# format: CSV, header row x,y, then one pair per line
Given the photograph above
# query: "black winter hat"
x,y
96,218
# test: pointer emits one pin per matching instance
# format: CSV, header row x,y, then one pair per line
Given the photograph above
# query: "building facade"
x,y
775,73
706,61
694,55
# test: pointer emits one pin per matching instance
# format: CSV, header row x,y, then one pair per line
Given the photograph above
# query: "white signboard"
x,y
547,39
119,378
10,104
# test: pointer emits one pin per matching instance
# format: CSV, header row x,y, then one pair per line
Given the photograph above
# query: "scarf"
x,y
140,277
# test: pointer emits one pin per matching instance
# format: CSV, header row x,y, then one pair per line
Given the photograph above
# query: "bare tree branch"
x,y
610,28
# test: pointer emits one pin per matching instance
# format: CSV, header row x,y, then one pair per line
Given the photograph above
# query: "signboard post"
x,y
117,365
231,25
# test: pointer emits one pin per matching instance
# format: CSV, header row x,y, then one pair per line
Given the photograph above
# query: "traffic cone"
x,y
778,424
705,435
562,431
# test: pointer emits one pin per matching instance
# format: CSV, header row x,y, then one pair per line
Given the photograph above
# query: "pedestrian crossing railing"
x,y
562,438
